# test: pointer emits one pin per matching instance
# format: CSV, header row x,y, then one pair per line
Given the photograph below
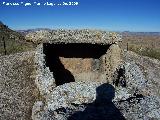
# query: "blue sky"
x,y
115,15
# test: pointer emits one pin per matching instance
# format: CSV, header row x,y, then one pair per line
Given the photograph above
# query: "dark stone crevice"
x,y
120,78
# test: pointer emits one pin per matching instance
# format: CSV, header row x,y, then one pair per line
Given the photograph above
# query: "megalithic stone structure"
x,y
75,55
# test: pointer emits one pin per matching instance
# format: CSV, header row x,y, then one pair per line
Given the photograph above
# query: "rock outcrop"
x,y
73,36
97,100
109,84
18,90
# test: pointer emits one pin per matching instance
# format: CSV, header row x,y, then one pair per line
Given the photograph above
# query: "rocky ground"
x,y
18,91
28,90
138,99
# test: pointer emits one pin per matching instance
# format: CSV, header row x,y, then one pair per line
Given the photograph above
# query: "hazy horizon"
x,y
83,28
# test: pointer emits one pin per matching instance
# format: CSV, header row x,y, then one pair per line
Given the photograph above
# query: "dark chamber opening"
x,y
75,50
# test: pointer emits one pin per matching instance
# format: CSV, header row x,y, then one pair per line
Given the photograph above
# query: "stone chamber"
x,y
78,74
75,61
65,56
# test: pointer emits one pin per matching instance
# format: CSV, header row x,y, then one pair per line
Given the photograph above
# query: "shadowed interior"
x,y
68,60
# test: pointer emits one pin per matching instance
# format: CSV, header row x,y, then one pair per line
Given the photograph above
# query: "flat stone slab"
x,y
73,36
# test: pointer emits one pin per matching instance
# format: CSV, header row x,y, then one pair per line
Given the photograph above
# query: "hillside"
x,y
14,41
143,43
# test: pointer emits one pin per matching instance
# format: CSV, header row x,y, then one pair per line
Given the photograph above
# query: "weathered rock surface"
x,y
141,81
43,76
61,69
70,98
74,36
18,91
150,69
129,91
83,100
113,59
80,100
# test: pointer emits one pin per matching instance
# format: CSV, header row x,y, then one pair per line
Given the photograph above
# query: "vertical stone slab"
x,y
44,80
112,59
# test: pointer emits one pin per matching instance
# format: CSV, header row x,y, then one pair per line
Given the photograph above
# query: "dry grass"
x,y
146,45
14,41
